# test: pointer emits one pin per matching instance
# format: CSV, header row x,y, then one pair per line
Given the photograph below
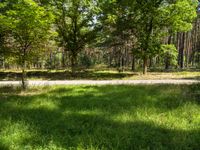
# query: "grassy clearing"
x,y
166,75
97,75
100,117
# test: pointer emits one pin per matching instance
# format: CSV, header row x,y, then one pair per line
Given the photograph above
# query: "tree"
x,y
29,25
3,33
159,18
76,25
116,37
150,21
169,54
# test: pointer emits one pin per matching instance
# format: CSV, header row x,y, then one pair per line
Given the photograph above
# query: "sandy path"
x,y
100,82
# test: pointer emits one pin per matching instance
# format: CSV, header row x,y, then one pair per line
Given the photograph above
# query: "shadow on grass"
x,y
3,147
192,78
84,75
11,90
84,117
65,75
117,99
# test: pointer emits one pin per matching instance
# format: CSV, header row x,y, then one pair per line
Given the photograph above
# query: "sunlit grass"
x,y
166,75
100,117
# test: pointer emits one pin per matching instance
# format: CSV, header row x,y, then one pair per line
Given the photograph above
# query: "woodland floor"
x,y
100,117
98,75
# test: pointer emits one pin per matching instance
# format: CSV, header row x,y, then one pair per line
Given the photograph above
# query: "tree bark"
x,y
73,64
167,58
24,79
63,59
167,63
181,51
23,65
145,65
133,63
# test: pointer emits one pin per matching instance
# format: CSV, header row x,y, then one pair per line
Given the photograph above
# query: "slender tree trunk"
x,y
110,59
145,65
150,62
167,63
123,61
119,59
3,63
51,60
181,51
23,76
133,63
73,64
63,60
167,58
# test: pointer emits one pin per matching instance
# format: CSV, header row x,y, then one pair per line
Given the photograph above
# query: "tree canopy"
x,y
28,26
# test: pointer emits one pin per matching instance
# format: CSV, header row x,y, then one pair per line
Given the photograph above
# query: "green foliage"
x,y
29,26
178,16
170,52
157,16
85,60
75,23
147,22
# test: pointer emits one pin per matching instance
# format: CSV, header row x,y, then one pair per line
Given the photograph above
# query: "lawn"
x,y
100,118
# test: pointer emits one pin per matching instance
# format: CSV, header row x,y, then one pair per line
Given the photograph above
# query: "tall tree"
x,y
153,20
29,25
76,24
3,32
155,17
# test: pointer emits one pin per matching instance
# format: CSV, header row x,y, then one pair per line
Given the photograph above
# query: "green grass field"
x,y
100,118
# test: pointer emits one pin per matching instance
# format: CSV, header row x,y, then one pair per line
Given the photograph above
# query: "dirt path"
x,y
100,82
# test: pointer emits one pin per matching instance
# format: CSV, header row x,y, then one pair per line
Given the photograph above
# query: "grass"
x,y
100,118
97,75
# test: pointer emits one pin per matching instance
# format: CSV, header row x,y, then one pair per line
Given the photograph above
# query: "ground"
x,y
100,117
92,74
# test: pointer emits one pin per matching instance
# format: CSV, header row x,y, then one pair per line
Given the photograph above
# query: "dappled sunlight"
x,y
98,75
16,132
101,117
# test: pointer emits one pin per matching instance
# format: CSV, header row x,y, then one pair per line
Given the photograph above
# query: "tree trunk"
x,y
150,63
23,76
3,63
181,51
63,60
24,86
133,63
145,64
167,63
23,66
73,65
167,58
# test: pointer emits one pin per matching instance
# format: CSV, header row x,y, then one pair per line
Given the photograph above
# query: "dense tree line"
x,y
124,34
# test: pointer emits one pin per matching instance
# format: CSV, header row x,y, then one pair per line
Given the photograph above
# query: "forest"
x,y
126,35
99,74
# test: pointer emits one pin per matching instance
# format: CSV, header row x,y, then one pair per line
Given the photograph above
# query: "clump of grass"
x,y
100,117
194,92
